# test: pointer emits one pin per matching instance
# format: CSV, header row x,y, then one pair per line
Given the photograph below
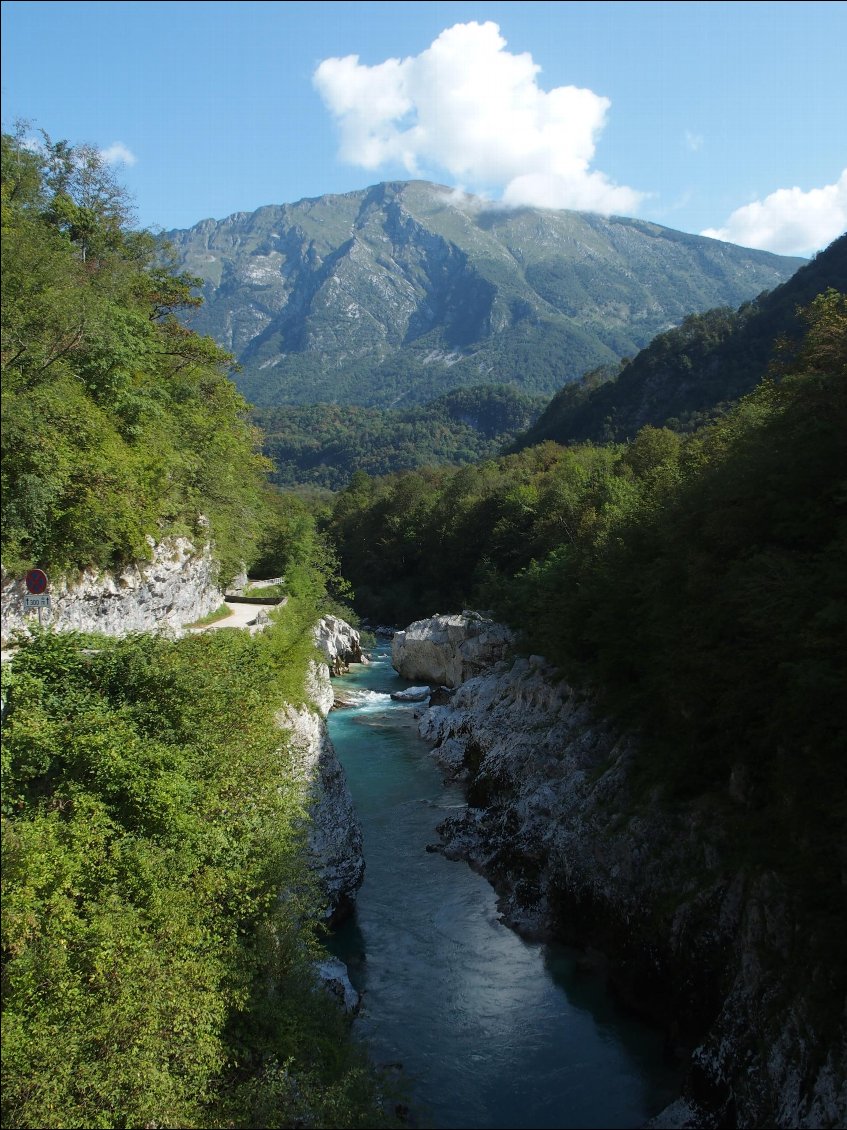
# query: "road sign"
x,y
38,602
36,581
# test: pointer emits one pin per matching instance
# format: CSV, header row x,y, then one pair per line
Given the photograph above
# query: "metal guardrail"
x,y
233,599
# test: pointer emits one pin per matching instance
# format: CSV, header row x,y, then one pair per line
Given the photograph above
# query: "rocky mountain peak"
x,y
362,297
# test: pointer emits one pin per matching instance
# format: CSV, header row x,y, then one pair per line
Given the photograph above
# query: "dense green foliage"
x,y
699,581
158,910
291,546
396,294
118,423
324,444
692,373
160,914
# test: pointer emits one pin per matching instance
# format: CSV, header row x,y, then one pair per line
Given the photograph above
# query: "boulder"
x,y
412,694
339,643
448,650
332,972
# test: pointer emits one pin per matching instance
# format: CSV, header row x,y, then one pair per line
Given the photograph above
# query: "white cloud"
x,y
693,141
789,221
118,154
467,106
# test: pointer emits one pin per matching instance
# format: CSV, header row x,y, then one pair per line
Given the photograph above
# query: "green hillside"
x,y
695,371
161,917
324,444
118,422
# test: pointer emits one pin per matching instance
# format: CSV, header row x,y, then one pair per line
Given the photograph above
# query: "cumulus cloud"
x,y
789,221
468,106
118,154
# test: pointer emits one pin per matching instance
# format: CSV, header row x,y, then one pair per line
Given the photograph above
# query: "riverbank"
x,y
491,1031
704,943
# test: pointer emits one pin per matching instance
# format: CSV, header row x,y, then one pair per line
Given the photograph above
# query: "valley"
x,y
625,607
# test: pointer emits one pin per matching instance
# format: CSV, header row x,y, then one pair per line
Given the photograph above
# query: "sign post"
x,y
36,583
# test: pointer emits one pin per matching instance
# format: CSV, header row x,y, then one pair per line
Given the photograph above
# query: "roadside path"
x,y
241,616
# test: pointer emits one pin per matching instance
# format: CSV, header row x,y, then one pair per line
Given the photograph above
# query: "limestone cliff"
x,y
177,585
447,650
577,848
335,836
339,642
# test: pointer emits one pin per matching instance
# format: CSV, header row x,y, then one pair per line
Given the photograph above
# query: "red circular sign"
x,y
36,581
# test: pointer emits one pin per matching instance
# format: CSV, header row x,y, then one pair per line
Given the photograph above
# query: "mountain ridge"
x,y
696,370
405,290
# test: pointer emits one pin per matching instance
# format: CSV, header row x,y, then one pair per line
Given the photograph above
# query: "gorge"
x,y
641,735
491,1030
686,933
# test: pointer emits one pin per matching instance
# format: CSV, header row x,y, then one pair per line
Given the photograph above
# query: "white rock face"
x,y
339,643
411,694
335,836
333,973
448,650
572,849
178,585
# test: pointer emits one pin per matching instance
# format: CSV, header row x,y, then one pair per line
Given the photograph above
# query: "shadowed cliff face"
x,y
403,291
693,932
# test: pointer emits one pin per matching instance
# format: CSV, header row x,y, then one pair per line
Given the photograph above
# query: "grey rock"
x,y
339,643
176,586
412,694
333,973
447,650
335,835
554,821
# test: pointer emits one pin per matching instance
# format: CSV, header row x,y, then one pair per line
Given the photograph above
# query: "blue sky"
x,y
720,117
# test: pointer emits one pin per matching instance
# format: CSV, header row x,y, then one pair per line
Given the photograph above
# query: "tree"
x,y
118,422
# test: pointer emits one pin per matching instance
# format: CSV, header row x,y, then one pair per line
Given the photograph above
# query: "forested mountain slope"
x,y
694,371
324,444
118,423
405,290
691,588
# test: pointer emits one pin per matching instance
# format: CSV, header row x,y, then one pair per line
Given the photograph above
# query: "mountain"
x,y
694,371
406,290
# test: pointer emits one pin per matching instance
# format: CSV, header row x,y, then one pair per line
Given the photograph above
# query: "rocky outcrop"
x,y
339,643
578,849
447,650
412,694
176,586
332,973
335,836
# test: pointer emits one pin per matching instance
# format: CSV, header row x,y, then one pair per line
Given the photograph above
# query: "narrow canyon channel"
x,y
491,1031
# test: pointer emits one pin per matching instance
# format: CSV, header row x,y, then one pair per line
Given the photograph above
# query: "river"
x,y
492,1031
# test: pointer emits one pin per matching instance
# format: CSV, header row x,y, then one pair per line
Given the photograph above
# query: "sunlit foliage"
x,y
118,423
159,916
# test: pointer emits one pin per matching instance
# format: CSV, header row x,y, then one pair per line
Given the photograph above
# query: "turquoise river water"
x,y
492,1031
